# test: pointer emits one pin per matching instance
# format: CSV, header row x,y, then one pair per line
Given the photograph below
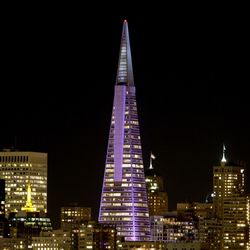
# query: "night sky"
x,y
191,71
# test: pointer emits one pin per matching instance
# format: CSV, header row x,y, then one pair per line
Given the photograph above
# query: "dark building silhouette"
x,y
2,199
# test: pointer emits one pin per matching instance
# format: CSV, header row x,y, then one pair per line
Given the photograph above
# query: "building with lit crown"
x,y
124,196
157,196
28,222
18,169
230,204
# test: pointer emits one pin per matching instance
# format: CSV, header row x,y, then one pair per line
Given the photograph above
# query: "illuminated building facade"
x,y
12,243
157,196
172,230
19,169
210,233
56,240
27,222
2,208
230,203
159,246
248,221
73,216
193,210
97,236
2,199
124,195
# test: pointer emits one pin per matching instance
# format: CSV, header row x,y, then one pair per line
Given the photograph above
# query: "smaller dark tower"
x,y
157,196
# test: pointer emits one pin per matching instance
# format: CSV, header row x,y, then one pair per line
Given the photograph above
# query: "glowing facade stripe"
x,y
124,196
119,116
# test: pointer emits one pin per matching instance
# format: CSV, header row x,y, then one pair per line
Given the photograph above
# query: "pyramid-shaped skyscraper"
x,y
124,196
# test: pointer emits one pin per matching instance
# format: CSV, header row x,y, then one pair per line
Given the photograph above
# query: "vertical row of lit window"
x,y
122,77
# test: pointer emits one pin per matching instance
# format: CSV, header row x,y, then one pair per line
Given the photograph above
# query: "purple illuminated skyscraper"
x,y
124,196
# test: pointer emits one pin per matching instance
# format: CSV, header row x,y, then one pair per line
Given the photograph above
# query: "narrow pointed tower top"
x,y
223,160
125,70
152,157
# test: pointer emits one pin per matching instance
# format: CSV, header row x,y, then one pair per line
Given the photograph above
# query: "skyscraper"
x,y
157,196
19,169
230,204
124,196
2,199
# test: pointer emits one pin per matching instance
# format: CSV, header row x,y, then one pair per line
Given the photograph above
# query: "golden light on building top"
x,y
223,160
29,207
18,169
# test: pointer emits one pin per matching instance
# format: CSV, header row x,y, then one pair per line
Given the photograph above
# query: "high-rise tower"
x,y
124,196
230,204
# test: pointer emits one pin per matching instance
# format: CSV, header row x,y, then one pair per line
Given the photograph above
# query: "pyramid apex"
x,y
125,70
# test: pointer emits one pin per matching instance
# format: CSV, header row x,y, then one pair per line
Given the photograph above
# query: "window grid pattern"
x,y
125,203
19,169
124,195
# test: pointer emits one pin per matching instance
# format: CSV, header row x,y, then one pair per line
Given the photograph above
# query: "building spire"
x,y
125,70
223,160
29,207
152,157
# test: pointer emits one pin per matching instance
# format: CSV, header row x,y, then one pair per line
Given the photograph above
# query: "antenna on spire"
x,y
223,160
152,157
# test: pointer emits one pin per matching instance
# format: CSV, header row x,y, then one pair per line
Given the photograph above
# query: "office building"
x,y
2,199
28,222
73,216
18,169
97,236
195,210
124,195
172,230
230,203
56,240
157,196
2,208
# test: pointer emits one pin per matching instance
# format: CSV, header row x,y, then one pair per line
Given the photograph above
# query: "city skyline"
x,y
187,105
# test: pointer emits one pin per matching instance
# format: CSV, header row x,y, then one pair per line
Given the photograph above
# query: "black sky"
x,y
191,69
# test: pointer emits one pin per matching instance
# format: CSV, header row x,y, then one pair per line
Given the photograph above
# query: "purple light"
x,y
124,196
